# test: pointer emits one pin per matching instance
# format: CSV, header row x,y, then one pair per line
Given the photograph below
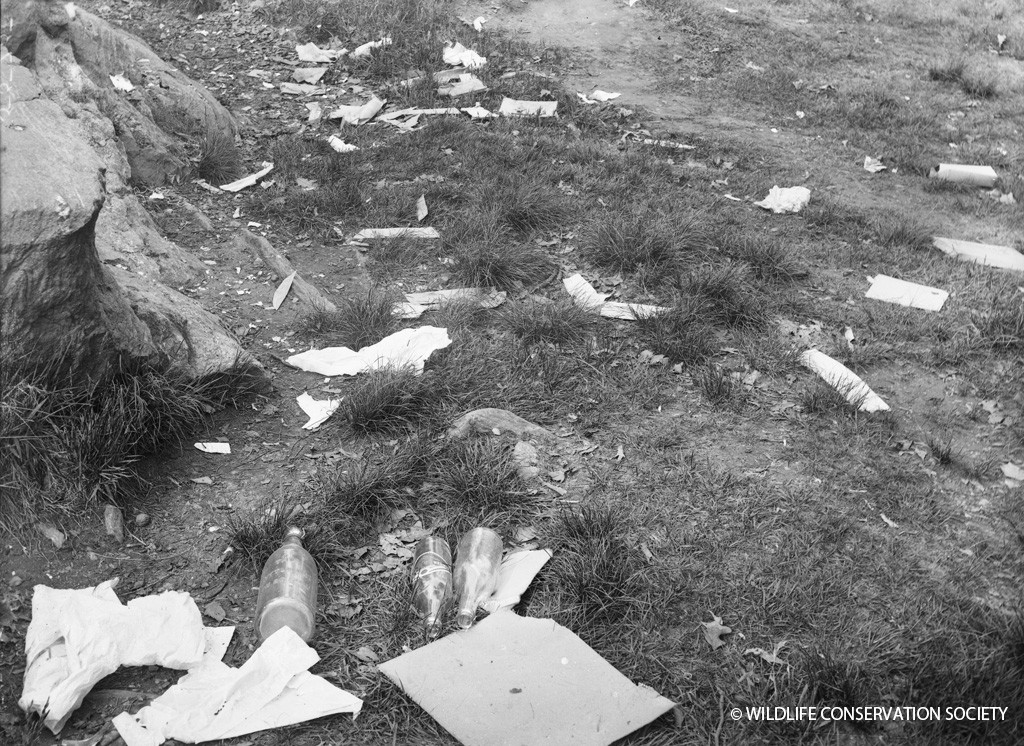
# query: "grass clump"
x,y
948,72
485,255
727,297
767,259
361,320
392,399
892,231
559,322
626,241
715,384
681,333
820,398
219,159
523,205
257,534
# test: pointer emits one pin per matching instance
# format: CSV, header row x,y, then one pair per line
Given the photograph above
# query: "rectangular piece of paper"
x,y
404,348
479,112
421,208
121,83
214,701
629,311
391,115
317,410
465,83
486,297
904,293
213,447
511,107
844,380
990,255
517,571
248,181
369,233
518,681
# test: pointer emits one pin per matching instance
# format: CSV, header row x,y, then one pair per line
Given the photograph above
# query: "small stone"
x,y
113,521
15,581
142,519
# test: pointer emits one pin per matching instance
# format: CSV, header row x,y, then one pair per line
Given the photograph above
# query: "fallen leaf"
x,y
713,632
202,480
282,290
365,654
215,611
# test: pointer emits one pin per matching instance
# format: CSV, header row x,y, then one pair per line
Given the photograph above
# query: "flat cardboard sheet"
x,y
904,293
516,681
1002,257
517,571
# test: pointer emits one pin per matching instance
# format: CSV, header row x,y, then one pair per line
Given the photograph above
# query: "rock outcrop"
x,y
85,275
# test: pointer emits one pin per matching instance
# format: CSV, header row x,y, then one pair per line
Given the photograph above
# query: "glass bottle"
x,y
432,581
476,572
287,596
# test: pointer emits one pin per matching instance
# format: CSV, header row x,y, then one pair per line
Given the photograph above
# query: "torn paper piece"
x,y
407,126
1002,257
904,293
271,690
583,293
282,291
404,348
368,233
308,74
363,50
790,199
519,680
479,112
512,108
122,83
456,54
77,637
873,165
317,410
358,114
213,447
416,304
517,571
301,89
629,311
339,145
315,112
312,53
216,641
844,380
421,208
465,83
602,96
248,181
479,21
983,176
1012,471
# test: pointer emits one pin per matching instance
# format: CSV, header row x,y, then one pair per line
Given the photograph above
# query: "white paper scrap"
x,y
421,208
1001,257
308,74
358,114
511,107
904,293
404,348
122,83
479,21
602,96
301,89
479,112
271,690
1012,471
213,447
583,293
340,146
843,380
466,83
312,53
517,571
315,112
363,50
248,181
873,165
317,410
78,636
629,311
282,291
983,176
457,54
789,199
368,233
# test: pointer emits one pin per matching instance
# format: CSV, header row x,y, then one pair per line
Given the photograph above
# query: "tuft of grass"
x,y
820,398
388,258
715,383
1002,324
768,259
626,241
257,534
485,255
893,231
942,451
361,320
523,205
557,322
393,399
727,297
978,85
219,159
681,333
948,72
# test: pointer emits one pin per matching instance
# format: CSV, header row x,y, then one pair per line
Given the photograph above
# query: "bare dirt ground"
x,y
683,68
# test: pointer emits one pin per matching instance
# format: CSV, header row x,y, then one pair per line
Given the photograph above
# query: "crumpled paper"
x,y
457,54
406,347
78,636
789,199
318,410
214,701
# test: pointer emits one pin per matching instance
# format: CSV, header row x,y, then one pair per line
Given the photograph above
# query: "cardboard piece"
x,y
248,181
406,347
517,571
214,701
844,380
789,199
904,293
983,176
517,681
511,107
78,636
308,74
1002,257
317,410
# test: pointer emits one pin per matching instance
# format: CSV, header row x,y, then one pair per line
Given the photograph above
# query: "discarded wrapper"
x,y
122,83
873,165
248,181
518,681
602,96
214,701
1001,257
308,74
511,107
317,410
404,348
789,199
983,176
463,84
843,380
301,89
904,293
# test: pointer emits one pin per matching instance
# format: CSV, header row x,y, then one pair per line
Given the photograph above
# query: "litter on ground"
x,y
340,146
122,83
983,176
416,304
404,348
457,54
370,233
317,410
463,84
308,74
788,199
843,380
517,680
421,208
315,112
364,50
301,89
312,53
990,255
213,701
248,181
602,96
517,571
224,448
358,114
904,293
511,107
585,296
873,165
